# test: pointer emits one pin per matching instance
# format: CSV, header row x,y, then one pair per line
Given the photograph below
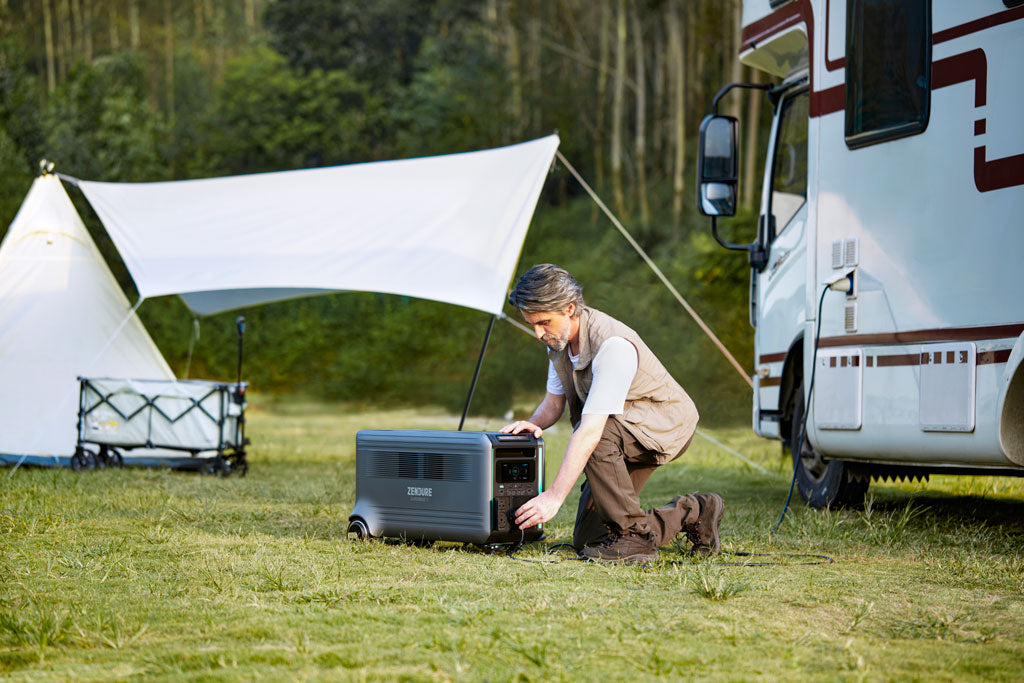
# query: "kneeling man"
x,y
628,415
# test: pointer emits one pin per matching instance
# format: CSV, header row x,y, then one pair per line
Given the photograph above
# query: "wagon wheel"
x,y
240,464
83,459
79,461
221,466
117,460
208,466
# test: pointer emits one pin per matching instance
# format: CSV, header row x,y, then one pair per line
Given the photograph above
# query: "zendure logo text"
x,y
421,491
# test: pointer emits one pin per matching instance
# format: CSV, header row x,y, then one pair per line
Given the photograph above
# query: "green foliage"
x,y
15,179
100,126
193,92
20,132
377,40
19,101
267,118
456,101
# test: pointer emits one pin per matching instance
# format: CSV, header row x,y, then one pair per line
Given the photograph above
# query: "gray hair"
x,y
546,287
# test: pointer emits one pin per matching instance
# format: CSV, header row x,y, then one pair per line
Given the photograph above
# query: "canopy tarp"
x,y
446,228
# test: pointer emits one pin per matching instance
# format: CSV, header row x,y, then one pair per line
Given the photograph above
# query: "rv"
x,y
884,288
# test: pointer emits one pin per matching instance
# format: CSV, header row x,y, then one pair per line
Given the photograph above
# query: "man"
x,y
628,416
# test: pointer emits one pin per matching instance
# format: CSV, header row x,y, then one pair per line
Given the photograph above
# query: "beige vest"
x,y
658,412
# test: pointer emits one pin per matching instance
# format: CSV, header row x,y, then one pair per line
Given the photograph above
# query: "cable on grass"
x,y
513,549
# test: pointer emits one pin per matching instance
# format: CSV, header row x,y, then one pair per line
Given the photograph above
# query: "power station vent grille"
x,y
850,317
432,466
837,254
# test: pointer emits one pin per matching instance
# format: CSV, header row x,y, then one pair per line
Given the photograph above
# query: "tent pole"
x,y
476,373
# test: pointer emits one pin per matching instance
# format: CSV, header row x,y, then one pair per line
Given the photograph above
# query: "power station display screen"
x,y
510,472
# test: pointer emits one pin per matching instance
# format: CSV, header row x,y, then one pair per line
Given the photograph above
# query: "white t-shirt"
x,y
614,369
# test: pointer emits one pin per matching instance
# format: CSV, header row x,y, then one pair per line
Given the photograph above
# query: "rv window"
x,y
789,167
888,69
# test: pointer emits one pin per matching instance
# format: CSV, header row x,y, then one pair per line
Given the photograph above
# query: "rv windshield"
x,y
789,169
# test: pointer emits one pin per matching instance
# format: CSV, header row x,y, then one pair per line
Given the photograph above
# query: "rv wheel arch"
x,y
822,483
1011,422
792,377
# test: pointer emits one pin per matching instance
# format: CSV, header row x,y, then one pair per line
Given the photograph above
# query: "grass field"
x,y
119,574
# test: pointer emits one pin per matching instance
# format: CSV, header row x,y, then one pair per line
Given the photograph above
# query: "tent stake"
x,y
476,373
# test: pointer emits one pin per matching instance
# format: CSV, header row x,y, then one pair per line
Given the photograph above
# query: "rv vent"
x,y
433,466
837,253
851,252
851,317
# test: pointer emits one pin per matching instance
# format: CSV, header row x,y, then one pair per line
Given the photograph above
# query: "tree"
x,y
268,117
21,135
455,101
100,125
374,40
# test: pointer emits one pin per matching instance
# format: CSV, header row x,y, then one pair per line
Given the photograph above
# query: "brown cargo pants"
x,y
616,472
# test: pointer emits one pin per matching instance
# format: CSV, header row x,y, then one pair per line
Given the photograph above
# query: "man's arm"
x,y
581,444
546,414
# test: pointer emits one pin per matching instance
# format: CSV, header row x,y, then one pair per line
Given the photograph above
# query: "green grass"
x,y
119,574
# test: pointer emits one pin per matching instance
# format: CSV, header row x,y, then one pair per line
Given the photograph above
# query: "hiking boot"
x,y
704,532
629,548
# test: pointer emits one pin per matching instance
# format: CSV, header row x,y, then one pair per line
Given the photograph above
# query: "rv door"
x,y
778,289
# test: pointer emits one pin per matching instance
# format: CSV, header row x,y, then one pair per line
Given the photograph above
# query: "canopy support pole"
x,y
476,373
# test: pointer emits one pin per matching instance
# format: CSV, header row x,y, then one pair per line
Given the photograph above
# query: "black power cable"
x,y
798,447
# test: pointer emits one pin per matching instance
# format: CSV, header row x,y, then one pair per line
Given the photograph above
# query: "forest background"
x,y
150,90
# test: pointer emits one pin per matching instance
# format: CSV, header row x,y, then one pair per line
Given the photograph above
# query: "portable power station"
x,y
434,485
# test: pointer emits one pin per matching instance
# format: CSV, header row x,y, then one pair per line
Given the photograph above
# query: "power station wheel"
x,y
822,483
358,531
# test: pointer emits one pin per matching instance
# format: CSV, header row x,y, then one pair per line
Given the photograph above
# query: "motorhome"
x,y
884,270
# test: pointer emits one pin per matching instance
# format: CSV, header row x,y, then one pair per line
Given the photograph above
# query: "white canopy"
x,y
447,228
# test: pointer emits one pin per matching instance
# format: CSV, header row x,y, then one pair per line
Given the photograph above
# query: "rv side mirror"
x,y
717,166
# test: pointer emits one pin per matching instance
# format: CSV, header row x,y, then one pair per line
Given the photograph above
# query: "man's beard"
x,y
557,343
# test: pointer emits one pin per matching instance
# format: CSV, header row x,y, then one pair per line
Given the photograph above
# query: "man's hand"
x,y
522,426
538,510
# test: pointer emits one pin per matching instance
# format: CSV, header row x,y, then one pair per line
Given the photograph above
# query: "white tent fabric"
x,y
62,315
446,228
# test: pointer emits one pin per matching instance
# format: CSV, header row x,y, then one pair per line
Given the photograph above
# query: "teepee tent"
x,y
62,315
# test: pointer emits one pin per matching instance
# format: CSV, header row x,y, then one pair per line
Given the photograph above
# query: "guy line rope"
x,y
657,271
661,276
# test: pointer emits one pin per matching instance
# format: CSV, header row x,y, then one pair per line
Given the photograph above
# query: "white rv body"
x,y
922,364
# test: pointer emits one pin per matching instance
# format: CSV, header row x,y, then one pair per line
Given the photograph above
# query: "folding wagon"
x,y
203,418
